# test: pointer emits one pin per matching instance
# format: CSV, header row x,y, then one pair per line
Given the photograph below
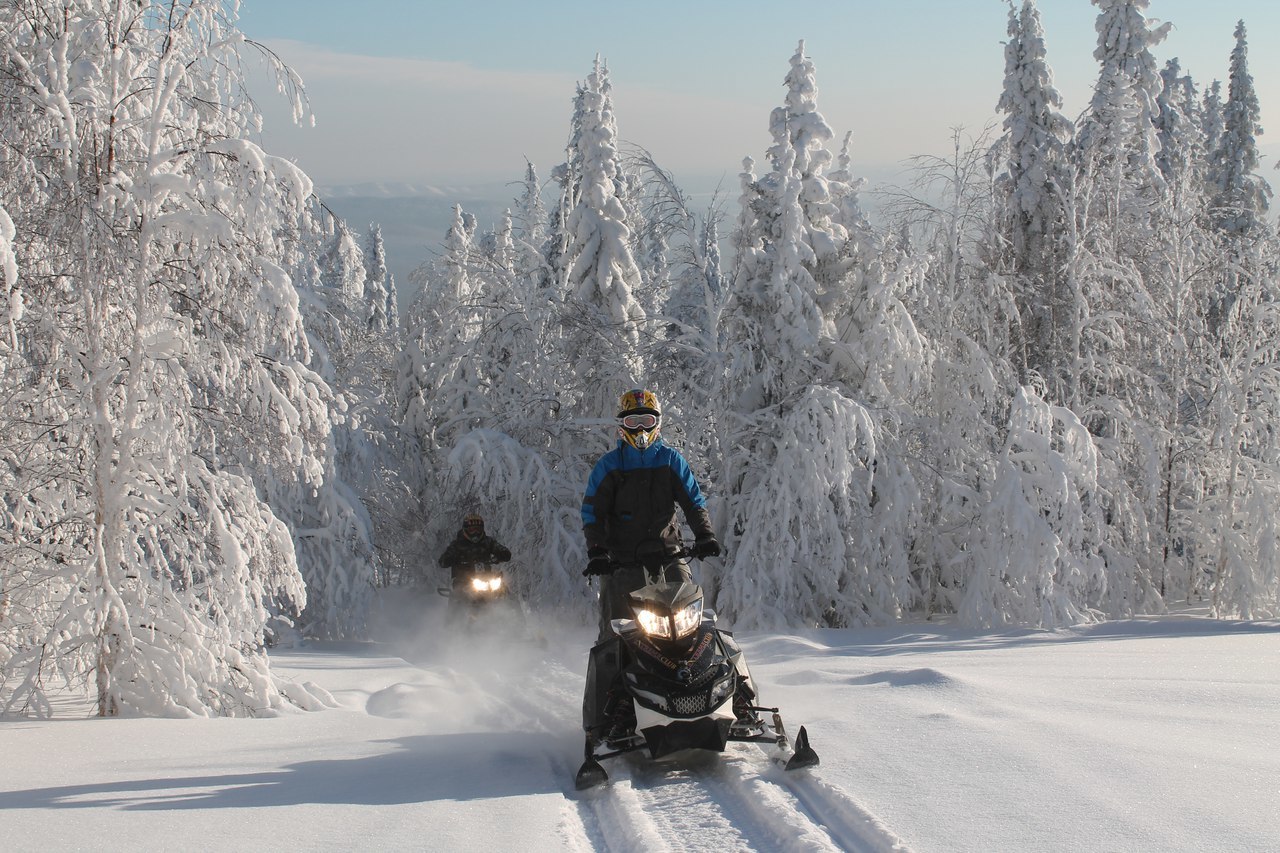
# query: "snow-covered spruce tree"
x,y
1118,186
445,323
393,308
556,357
1116,268
1034,190
342,266
1240,196
682,348
530,216
377,283
815,511
1211,121
161,336
1179,125
601,316
1116,142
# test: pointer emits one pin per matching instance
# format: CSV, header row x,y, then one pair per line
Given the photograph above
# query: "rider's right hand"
x,y
598,562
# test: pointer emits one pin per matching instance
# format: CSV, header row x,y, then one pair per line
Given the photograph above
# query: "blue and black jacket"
x,y
631,501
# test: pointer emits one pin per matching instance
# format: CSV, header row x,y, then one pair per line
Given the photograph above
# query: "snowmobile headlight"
x,y
483,584
685,622
687,619
721,691
653,624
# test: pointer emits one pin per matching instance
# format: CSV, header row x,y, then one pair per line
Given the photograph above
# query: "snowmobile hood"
x,y
669,596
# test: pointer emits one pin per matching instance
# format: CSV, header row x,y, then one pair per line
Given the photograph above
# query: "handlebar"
x,y
683,554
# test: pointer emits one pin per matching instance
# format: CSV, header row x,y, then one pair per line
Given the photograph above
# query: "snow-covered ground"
x,y
1154,734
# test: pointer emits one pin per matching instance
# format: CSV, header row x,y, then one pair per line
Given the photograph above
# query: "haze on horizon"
x,y
451,95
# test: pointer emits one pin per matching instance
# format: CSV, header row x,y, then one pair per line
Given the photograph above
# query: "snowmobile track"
x,y
735,801
847,822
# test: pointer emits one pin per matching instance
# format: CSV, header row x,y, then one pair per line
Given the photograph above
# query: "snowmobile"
x,y
670,680
479,592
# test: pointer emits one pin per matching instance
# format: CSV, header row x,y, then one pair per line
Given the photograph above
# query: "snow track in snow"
x,y
738,800
852,826
734,801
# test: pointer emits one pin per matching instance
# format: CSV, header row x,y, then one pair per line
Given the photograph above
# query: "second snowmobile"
x,y
670,680
479,592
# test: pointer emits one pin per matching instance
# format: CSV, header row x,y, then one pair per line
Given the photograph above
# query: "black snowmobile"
x,y
670,680
479,593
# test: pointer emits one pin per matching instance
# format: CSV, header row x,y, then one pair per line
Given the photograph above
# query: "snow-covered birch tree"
x,y
1233,525
171,362
1032,557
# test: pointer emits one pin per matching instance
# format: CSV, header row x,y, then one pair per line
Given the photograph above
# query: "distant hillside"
x,y
414,219
415,216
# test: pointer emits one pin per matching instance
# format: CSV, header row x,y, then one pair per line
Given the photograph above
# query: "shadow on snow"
x,y
424,769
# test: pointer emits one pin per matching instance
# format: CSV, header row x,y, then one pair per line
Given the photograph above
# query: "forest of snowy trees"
x,y
1042,390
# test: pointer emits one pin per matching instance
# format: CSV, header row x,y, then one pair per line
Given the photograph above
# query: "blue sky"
x,y
458,93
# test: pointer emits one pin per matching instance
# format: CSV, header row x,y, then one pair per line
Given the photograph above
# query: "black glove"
x,y
706,547
598,562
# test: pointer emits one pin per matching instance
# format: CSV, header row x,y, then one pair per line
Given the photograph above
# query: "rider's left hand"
x,y
706,547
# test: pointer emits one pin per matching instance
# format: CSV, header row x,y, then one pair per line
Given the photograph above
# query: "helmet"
x,y
639,418
473,527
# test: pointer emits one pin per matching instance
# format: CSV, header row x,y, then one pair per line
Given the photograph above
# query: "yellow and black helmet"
x,y
639,400
639,417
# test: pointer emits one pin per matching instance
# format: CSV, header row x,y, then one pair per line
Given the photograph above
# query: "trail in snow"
x,y
736,801
739,800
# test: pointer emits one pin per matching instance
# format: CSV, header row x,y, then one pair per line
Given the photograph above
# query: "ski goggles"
x,y
641,421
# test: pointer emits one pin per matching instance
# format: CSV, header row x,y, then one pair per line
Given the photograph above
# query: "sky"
x,y
453,94
1133,735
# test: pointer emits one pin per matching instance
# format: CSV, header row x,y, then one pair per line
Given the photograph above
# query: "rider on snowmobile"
x,y
630,502
629,519
470,548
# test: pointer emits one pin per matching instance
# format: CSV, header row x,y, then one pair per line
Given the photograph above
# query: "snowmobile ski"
x,y
590,774
804,756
